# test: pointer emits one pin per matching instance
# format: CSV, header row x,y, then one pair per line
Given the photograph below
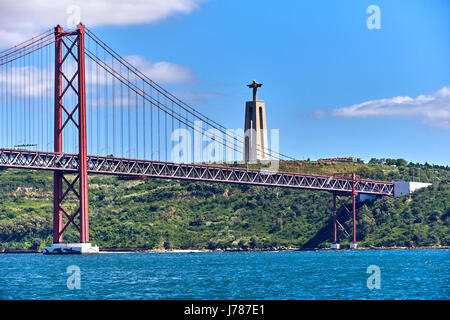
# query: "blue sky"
x,y
316,59
315,55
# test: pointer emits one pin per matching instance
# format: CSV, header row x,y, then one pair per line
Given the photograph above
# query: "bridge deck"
x,y
26,159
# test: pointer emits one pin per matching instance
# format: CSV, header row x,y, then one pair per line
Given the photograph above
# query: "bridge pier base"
x,y
71,248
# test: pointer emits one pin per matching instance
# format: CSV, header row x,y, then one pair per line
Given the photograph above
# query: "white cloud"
x,y
28,81
33,81
433,108
22,19
163,72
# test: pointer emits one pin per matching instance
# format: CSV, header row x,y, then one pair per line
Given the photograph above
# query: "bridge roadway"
x,y
42,160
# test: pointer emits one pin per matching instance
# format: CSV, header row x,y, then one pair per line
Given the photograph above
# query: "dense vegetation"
x,y
166,214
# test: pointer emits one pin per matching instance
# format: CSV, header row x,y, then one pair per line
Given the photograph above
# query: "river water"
x,y
377,274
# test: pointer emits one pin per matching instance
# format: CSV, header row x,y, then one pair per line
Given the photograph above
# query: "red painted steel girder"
x,y
63,162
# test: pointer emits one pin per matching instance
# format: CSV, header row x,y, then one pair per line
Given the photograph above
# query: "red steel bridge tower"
x,y
74,43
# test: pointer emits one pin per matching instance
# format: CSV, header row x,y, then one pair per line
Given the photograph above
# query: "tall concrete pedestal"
x,y
256,146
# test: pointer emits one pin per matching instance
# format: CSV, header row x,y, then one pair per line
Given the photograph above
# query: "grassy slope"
x,y
156,213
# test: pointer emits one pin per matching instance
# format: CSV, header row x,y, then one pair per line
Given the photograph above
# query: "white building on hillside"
x,y
402,188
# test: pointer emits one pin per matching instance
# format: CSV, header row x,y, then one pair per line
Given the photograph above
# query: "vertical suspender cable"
x,y
165,130
129,116
113,109
159,132
106,105
91,106
7,83
145,120
137,122
121,117
151,130
97,94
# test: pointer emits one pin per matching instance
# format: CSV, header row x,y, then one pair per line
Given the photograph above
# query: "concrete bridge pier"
x,y
71,248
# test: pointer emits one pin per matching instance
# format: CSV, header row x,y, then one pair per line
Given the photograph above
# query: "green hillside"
x,y
155,213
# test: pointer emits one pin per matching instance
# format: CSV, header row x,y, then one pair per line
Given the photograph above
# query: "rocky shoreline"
x,y
275,249
272,249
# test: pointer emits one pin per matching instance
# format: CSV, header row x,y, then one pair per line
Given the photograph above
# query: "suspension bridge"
x,y
87,110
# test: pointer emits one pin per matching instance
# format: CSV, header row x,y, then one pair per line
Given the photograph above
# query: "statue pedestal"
x,y
256,146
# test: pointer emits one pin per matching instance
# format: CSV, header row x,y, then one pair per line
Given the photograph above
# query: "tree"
x,y
367,223
391,162
401,162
